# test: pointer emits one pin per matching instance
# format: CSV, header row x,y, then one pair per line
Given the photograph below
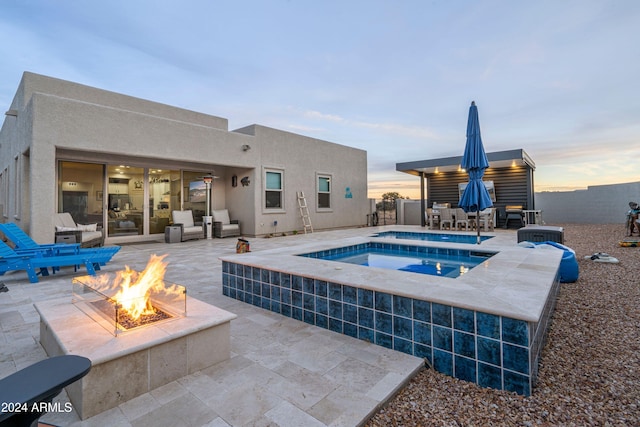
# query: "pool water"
x,y
433,237
440,262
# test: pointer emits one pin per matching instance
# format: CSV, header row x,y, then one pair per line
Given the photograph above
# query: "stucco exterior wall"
x,y
57,120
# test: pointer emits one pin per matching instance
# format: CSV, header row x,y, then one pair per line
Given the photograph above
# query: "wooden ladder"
x,y
304,212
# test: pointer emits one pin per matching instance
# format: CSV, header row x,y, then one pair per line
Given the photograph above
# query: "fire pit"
x,y
132,354
128,300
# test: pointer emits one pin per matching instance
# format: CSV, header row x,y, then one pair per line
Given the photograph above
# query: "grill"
x,y
513,212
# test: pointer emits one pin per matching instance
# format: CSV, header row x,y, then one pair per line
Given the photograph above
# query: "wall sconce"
x,y
246,147
245,181
234,181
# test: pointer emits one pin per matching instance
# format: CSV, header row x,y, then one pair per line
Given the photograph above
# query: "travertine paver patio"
x,y
281,372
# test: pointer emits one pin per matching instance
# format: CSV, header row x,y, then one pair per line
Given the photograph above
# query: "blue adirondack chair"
x,y
24,244
36,262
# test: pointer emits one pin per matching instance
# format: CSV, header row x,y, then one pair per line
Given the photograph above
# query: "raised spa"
x,y
486,326
441,262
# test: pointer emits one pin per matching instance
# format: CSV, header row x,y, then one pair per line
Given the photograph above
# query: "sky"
x,y
559,79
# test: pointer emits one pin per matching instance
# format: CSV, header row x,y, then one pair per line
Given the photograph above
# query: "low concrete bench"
x,y
25,395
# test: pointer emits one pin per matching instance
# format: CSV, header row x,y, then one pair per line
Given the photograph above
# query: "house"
x,y
509,180
125,163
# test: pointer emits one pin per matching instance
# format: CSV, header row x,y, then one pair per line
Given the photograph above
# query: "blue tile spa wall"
x,y
486,349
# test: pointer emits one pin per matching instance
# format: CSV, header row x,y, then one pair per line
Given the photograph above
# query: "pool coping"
x,y
514,283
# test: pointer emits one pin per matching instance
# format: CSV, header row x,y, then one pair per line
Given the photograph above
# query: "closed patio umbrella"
x,y
475,197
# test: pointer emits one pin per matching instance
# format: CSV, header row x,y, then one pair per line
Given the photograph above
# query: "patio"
x,y
281,371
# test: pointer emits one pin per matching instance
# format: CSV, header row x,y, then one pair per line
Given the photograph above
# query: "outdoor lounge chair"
x,y
188,228
87,235
25,244
223,226
36,384
35,262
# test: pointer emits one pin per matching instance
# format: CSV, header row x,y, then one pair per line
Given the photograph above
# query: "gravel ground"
x,y
590,367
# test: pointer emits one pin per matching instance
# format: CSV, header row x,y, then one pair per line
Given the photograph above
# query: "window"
x,y
324,192
273,189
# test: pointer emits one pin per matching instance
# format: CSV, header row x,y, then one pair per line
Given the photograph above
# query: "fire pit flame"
x,y
138,298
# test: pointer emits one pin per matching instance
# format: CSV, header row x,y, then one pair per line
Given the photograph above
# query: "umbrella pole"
x,y
478,219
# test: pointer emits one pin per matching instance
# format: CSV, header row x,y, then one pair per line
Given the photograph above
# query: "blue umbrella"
x,y
475,197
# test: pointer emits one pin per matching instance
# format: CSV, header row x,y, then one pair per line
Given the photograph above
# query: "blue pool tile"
x,y
275,306
296,283
488,325
515,331
257,300
350,295
517,383
515,358
422,310
441,314
350,313
422,333
384,322
365,317
423,351
489,351
366,334
296,313
247,271
285,280
296,299
350,329
240,283
285,295
322,306
308,302
265,303
275,293
401,306
309,317
463,320
335,325
232,293
285,310
322,321
335,309
307,285
365,298
384,340
225,291
266,290
402,328
464,344
335,291
275,278
403,346
264,275
225,266
383,302
465,369
443,362
442,338
225,279
256,274
489,376
257,288
321,287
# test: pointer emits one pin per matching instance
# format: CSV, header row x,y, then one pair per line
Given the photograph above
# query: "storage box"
x,y
540,233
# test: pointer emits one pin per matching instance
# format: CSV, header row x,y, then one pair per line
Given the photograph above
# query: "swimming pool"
x,y
432,237
441,262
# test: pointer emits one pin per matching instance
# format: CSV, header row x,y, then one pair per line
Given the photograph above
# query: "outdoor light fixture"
x,y
245,181
246,147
